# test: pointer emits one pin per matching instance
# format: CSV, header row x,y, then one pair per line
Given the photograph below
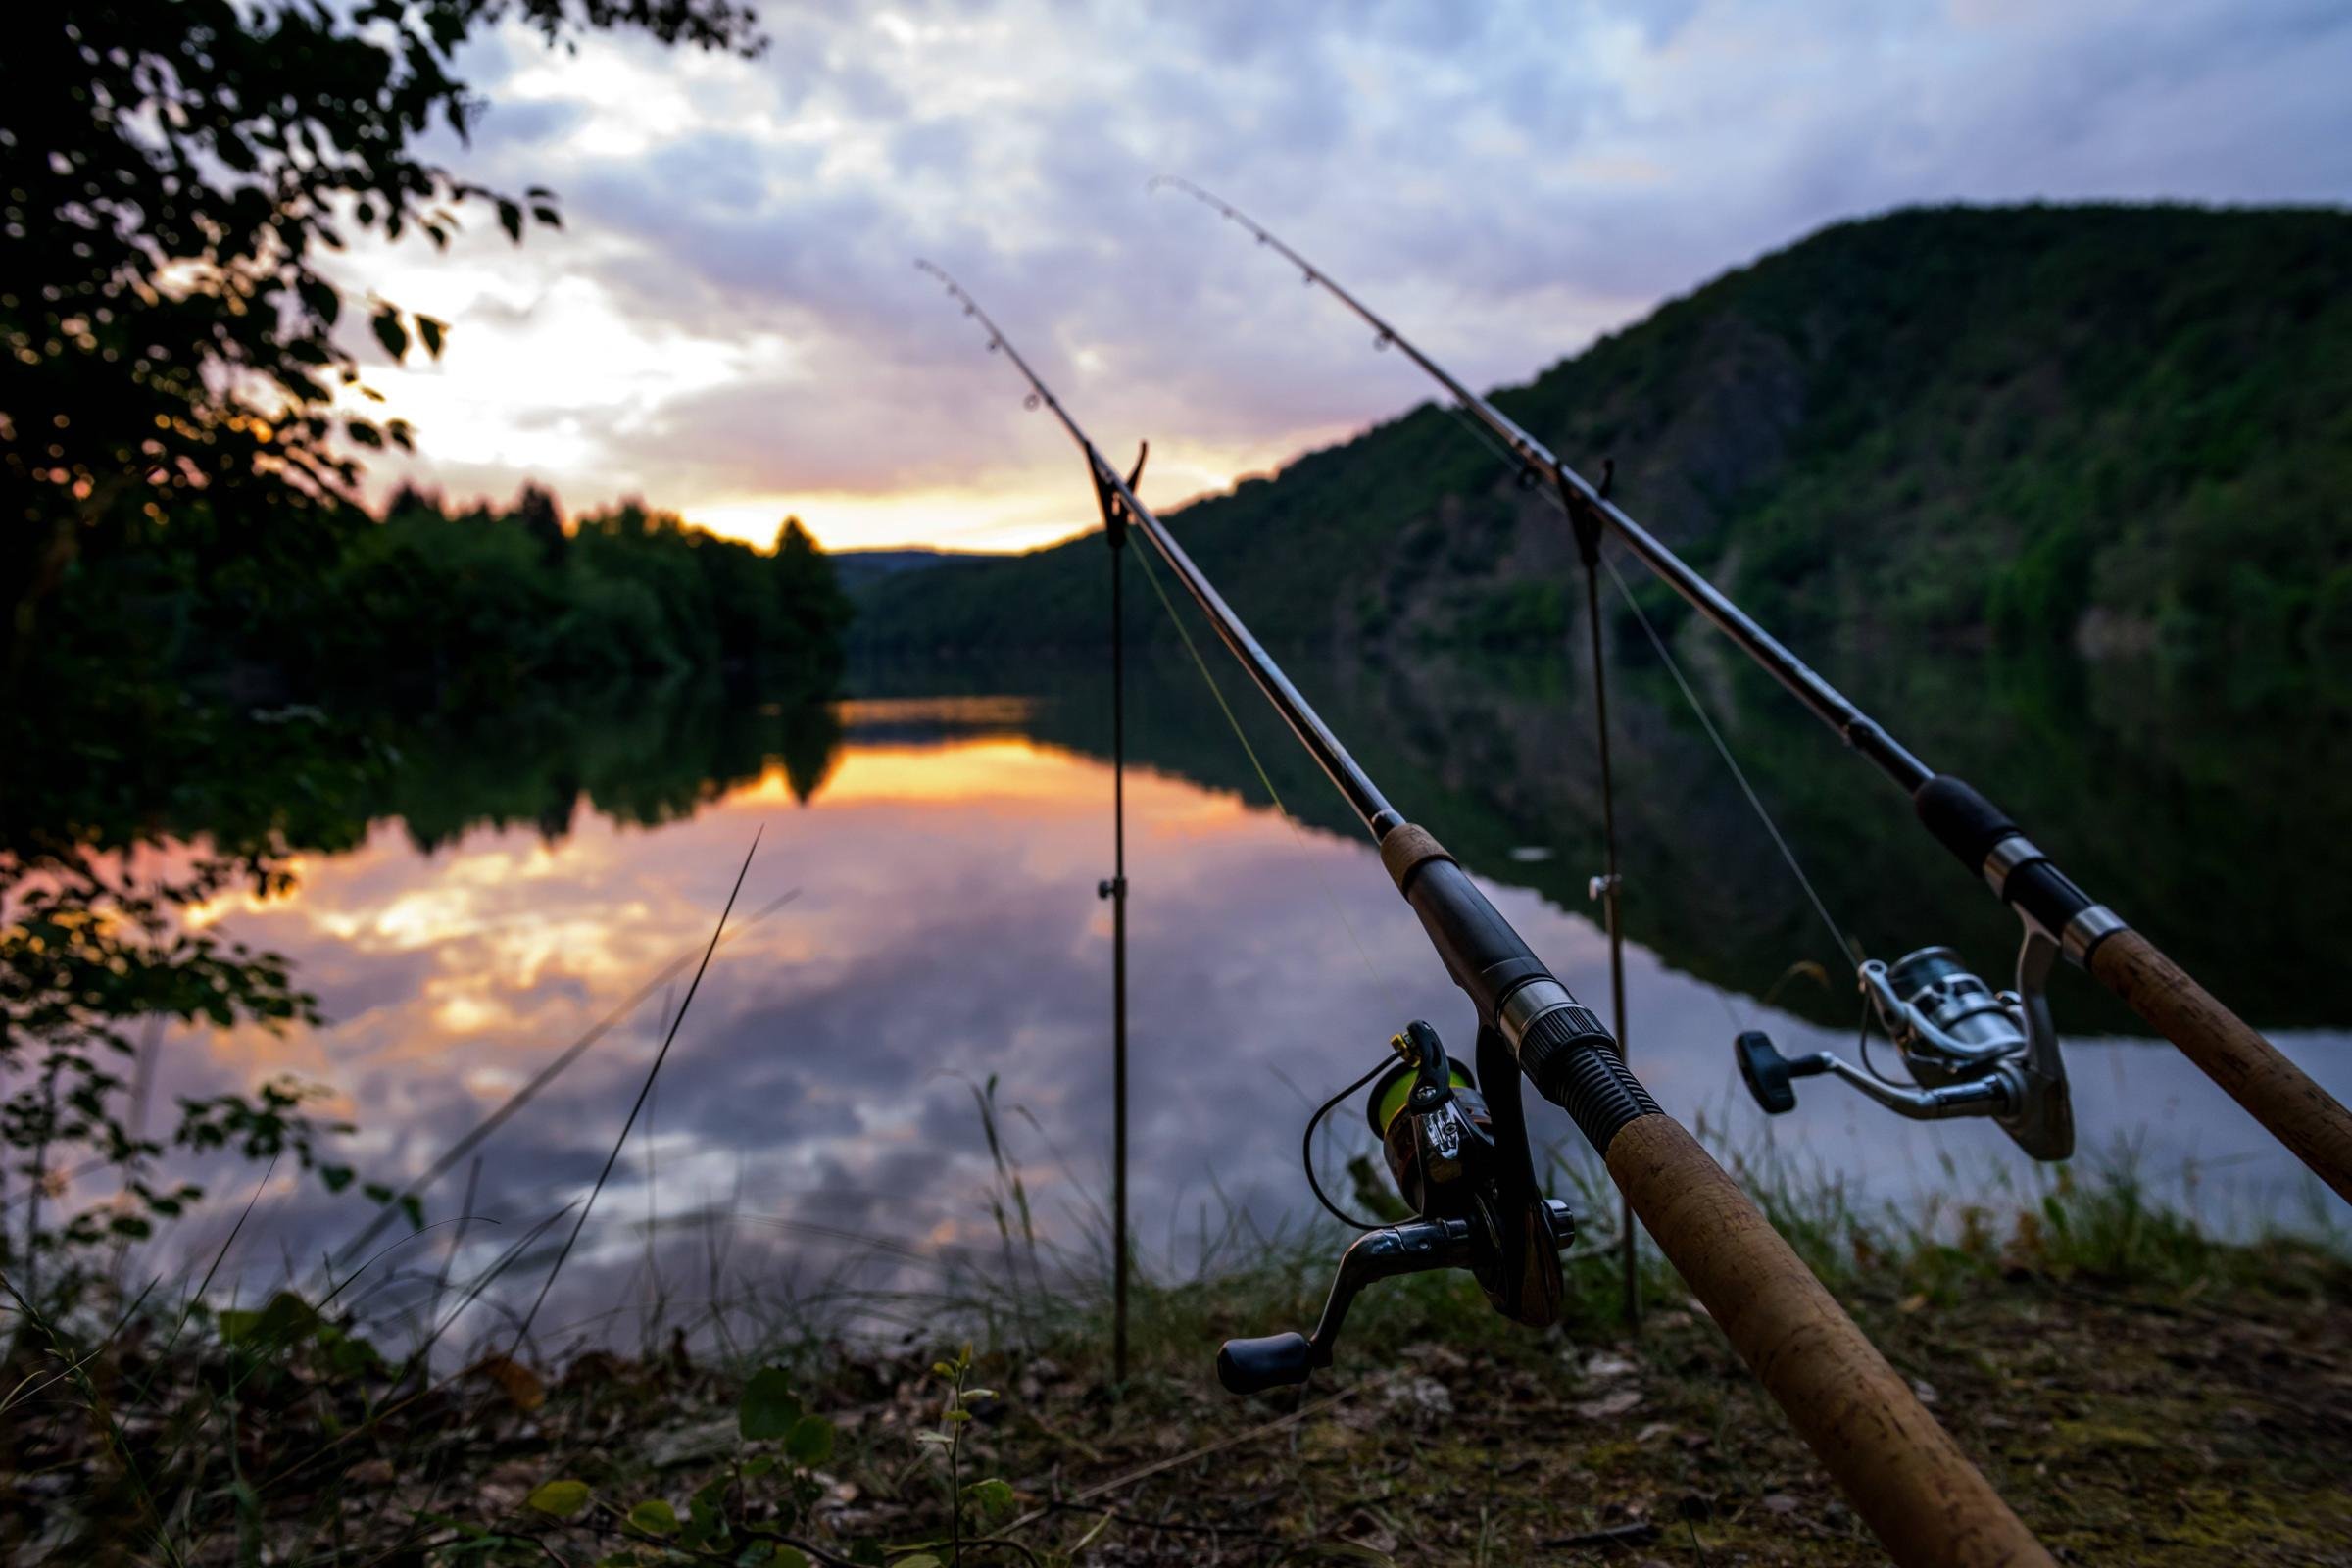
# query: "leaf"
x,y
768,1408
921,1559
655,1517
811,1440
563,1499
521,1384
788,1557
336,1177
509,219
390,334
993,1496
548,216
322,299
431,330
286,1317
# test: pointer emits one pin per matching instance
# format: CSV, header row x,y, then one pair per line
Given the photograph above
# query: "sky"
x,y
729,324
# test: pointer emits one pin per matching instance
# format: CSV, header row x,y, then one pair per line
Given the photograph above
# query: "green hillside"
x,y
2121,427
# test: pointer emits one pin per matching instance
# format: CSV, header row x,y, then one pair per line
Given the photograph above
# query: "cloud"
x,y
729,324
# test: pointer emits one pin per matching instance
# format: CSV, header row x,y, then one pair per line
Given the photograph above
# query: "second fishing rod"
x,y
1474,1187
1973,1052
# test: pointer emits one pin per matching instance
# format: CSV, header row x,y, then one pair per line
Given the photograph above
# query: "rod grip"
x,y
2275,1092
1927,1504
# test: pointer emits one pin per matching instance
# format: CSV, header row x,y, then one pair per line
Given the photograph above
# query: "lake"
x,y
815,1130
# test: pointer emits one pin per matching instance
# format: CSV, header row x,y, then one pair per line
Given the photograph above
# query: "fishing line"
x,y
1847,946
1306,1145
1298,835
1850,949
1306,1150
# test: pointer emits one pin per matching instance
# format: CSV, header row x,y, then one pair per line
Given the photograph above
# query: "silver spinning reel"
x,y
1971,1050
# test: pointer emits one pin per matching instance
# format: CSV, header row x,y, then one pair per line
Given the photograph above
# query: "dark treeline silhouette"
x,y
483,604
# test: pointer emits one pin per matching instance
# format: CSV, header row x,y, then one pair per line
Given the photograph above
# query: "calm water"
x,y
946,830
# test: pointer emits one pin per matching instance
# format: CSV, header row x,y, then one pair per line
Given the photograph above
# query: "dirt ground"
x,y
2124,1429
2126,1426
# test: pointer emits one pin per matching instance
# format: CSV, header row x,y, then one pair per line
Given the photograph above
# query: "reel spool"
x,y
1426,1136
1970,1050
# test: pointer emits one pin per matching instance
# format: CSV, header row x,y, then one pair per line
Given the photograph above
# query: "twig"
x,y
1121,1483
1172,1526
1640,1533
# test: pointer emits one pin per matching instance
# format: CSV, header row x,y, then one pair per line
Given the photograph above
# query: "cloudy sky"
x,y
731,323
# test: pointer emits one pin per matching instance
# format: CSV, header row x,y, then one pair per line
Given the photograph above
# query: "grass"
x,y
2139,1388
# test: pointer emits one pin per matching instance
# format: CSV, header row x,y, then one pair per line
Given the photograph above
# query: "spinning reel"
x,y
1462,1165
1971,1051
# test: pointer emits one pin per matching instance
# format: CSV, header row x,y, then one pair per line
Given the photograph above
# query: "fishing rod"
x,y
1461,1156
1973,1052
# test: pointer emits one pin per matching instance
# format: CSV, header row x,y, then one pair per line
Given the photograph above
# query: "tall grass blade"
x,y
546,1075
523,1330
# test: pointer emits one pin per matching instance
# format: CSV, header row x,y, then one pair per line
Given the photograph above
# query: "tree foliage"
x,y
183,412
179,173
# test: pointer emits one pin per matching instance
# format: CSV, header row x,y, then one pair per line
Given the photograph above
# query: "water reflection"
x,y
946,850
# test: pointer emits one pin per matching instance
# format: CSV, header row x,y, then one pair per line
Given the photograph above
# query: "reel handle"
x,y
1767,1072
1276,1362
1280,1360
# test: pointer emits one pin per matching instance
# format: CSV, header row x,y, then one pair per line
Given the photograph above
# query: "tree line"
x,y
483,604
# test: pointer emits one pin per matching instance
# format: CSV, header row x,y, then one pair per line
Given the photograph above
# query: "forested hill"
x,y
2116,426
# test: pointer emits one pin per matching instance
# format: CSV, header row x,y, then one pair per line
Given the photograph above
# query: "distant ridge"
x,y
859,570
2123,426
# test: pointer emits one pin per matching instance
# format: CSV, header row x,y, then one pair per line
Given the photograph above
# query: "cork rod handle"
x,y
1927,1504
2280,1095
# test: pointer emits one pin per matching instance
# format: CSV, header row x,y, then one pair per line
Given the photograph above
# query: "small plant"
x,y
749,1513
985,1500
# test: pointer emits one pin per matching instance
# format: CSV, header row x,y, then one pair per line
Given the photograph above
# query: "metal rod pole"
x,y
1611,886
1119,955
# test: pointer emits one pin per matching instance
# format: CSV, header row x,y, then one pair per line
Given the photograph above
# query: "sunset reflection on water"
x,y
947,930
